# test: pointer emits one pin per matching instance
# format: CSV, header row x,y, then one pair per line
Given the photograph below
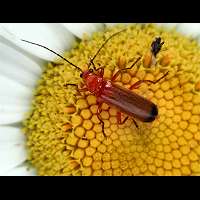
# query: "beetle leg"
x,y
99,117
82,89
135,123
72,84
119,118
79,90
138,83
100,71
121,70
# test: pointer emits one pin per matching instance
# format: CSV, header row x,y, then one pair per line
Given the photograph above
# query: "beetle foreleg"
x,y
138,83
100,71
82,89
79,90
121,70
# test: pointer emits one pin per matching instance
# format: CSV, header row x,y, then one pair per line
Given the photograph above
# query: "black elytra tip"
x,y
152,114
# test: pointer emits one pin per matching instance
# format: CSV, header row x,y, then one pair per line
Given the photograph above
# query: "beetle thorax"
x,y
94,83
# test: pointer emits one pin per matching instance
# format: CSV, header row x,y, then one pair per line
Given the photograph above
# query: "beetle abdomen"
x,y
128,102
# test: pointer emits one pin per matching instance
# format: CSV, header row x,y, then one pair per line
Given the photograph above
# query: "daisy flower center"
x,y
64,133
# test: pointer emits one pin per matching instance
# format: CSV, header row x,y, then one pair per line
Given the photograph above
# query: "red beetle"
x,y
112,94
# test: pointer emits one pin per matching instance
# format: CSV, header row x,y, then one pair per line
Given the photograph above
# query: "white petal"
x,y
52,35
21,171
110,24
10,136
191,29
8,104
11,88
18,67
9,118
168,25
14,100
114,24
79,29
11,156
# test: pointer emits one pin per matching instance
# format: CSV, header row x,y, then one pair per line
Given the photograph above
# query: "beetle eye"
x,y
81,75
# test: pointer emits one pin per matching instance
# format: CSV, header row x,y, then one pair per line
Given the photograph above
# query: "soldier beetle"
x,y
106,91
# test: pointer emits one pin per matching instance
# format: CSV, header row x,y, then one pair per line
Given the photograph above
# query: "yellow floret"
x,y
90,134
83,143
186,115
160,172
196,99
87,161
117,172
178,100
126,78
97,172
168,156
94,109
87,124
82,103
94,143
91,99
102,148
183,125
79,131
159,94
195,167
187,96
196,110
76,120
195,119
90,151
86,171
79,153
158,162
72,140
96,165
182,141
176,154
176,163
185,170
85,113
176,172
167,165
193,128
185,160
193,156
106,165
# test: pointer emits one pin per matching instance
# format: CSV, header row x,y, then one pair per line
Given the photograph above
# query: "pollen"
x,y
66,137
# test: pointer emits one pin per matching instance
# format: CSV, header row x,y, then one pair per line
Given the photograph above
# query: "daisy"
x,y
20,67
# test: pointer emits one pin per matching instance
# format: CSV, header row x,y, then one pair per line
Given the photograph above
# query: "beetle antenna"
x,y
54,53
91,60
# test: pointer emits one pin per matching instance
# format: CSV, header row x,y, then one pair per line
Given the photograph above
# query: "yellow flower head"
x,y
64,134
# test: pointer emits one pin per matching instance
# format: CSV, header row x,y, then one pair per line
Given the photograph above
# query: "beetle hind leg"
x,y
119,118
99,117
138,83
135,123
